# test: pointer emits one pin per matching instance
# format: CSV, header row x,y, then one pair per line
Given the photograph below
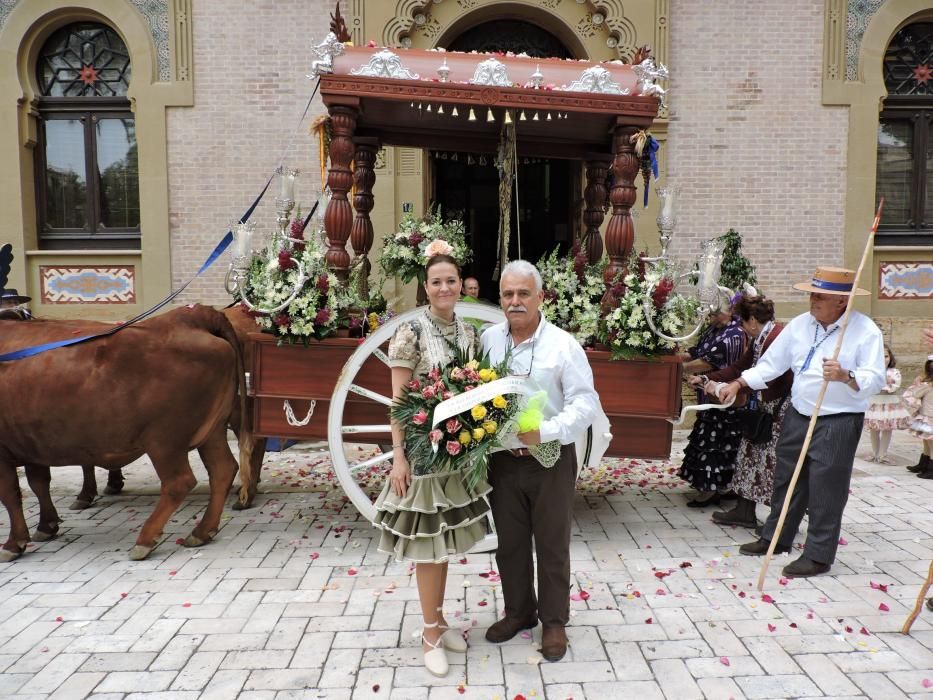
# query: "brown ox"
x,y
161,388
243,324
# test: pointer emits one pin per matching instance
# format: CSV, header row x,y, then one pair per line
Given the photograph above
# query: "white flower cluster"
x,y
571,301
405,252
319,307
626,331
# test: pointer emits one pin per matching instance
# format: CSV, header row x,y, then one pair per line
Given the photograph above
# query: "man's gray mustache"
x,y
517,308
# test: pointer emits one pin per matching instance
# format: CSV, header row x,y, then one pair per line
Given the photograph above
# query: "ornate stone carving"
x,y
156,14
858,16
491,72
596,79
648,71
326,51
385,64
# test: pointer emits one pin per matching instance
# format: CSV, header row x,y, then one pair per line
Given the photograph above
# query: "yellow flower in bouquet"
x,y
490,426
500,402
478,434
472,364
478,412
465,438
488,375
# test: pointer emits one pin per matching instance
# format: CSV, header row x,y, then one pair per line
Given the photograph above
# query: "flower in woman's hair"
x,y
414,385
478,434
285,260
322,284
434,374
435,436
490,426
438,247
452,425
420,418
281,320
499,402
465,438
453,448
322,317
478,412
429,392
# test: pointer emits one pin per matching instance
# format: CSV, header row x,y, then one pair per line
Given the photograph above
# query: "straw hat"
x,y
832,280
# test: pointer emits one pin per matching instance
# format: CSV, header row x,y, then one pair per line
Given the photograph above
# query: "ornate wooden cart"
x,y
371,95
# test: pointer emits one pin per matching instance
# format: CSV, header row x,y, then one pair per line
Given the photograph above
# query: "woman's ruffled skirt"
x,y
886,412
438,517
921,426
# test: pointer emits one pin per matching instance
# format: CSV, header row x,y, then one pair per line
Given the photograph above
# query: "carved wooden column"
x,y
620,234
361,234
597,165
338,218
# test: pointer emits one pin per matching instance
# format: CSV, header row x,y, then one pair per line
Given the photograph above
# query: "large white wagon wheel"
x,y
353,475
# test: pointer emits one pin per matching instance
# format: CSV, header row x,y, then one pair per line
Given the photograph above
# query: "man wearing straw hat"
x,y
806,346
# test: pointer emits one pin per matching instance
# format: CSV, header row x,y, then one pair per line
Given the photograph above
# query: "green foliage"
x,y
736,268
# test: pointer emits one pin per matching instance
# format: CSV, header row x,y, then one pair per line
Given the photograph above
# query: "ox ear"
x,y
6,262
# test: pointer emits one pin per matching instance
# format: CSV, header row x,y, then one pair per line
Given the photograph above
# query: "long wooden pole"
x,y
919,602
819,401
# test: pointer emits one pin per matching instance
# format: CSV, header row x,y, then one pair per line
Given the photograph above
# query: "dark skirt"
x,y
709,458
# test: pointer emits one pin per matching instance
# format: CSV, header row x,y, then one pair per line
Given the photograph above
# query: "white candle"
x,y
668,210
710,272
283,185
241,240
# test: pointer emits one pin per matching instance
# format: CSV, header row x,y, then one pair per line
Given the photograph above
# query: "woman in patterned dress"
x,y
753,480
709,457
425,517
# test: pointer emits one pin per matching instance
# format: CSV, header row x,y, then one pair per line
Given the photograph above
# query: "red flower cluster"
x,y
662,291
322,284
322,317
285,261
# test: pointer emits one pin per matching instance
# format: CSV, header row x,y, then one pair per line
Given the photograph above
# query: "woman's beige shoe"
x,y
452,638
435,660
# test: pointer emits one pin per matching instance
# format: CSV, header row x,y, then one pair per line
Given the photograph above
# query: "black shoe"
x,y
760,547
921,466
803,568
742,515
711,501
729,495
508,627
759,529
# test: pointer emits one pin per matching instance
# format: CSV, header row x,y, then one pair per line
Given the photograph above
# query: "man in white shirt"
x,y
806,346
529,500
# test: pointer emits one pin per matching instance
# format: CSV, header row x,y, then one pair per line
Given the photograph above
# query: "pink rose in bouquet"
x,y
438,247
434,374
420,418
435,436
453,447
414,385
452,425
429,392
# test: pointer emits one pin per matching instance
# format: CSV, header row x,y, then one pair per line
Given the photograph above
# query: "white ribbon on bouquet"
x,y
460,403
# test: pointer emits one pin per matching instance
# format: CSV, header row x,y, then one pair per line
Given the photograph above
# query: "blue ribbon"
x,y
832,286
652,146
211,259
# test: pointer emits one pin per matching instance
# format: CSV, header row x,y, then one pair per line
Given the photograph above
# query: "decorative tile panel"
x,y
905,280
6,6
87,285
858,17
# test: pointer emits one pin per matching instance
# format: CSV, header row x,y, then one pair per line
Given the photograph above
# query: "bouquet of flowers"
x,y
463,440
406,252
572,292
321,305
625,329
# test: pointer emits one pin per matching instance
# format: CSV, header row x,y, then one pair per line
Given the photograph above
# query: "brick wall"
x,y
750,144
250,88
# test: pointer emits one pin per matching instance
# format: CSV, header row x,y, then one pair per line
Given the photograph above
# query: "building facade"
x,y
134,131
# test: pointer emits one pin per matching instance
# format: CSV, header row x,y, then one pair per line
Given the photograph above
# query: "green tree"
x,y
736,268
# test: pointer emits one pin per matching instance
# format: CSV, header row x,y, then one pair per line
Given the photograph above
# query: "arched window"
x,y
87,176
905,138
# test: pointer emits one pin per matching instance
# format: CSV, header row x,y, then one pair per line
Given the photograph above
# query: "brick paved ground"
x,y
292,600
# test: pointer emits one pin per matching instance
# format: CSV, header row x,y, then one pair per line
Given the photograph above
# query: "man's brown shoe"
x,y
508,627
553,642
